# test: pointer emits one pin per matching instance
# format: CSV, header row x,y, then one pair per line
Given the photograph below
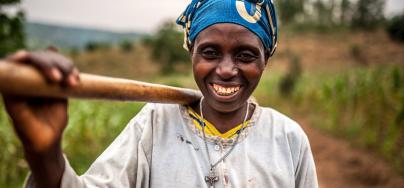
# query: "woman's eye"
x,y
210,54
246,57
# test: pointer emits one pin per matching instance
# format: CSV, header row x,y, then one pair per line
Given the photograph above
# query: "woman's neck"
x,y
224,121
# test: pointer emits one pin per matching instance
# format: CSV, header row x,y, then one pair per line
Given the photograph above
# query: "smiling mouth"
x,y
225,90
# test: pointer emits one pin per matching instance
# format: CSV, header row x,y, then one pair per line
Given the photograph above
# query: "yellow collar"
x,y
210,129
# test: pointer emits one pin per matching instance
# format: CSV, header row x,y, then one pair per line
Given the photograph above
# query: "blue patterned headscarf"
x,y
256,15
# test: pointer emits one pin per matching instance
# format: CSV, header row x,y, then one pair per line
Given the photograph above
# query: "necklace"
x,y
212,178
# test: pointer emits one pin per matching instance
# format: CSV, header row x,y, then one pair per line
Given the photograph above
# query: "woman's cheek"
x,y
202,68
252,71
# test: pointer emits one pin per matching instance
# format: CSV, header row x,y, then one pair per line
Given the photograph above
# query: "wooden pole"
x,y
24,80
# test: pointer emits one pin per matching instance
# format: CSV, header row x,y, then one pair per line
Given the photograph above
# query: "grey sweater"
x,y
161,147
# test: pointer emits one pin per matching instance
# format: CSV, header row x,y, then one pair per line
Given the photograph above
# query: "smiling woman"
x,y
228,61
224,140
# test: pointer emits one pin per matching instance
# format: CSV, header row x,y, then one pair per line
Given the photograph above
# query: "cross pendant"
x,y
211,179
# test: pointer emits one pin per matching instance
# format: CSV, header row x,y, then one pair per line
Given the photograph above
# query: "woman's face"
x,y
228,61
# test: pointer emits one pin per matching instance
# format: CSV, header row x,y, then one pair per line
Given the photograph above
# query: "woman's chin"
x,y
225,107
225,104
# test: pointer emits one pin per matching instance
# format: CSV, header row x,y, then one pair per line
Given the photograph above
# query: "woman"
x,y
225,140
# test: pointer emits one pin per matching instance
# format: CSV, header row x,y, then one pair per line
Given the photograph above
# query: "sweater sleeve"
x,y
305,176
125,163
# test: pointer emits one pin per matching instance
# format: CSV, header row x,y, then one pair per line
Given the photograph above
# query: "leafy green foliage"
x,y
11,33
290,9
368,14
395,28
346,12
166,47
94,124
9,2
327,15
93,46
13,167
365,106
126,46
92,127
321,11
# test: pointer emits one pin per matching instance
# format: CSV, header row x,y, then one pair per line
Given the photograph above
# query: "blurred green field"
x,y
92,126
364,105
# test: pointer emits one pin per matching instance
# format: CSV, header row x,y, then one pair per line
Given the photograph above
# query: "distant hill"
x,y
41,35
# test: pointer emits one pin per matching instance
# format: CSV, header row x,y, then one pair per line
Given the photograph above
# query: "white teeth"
x,y
221,90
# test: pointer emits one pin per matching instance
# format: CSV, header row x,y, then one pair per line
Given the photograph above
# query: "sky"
x,y
122,15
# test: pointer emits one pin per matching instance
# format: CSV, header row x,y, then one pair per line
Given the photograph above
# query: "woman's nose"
x,y
227,68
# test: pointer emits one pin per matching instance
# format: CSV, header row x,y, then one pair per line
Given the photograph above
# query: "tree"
x,y
126,46
321,11
11,30
166,47
290,9
345,12
92,46
368,14
395,28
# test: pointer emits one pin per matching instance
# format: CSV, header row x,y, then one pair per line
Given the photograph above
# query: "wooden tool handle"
x,y
25,80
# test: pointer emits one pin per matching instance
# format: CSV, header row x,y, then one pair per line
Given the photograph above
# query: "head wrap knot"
x,y
256,15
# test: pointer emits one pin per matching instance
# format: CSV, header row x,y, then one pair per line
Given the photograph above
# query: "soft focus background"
x,y
338,71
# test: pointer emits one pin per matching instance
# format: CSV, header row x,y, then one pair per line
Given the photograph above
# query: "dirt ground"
x,y
341,166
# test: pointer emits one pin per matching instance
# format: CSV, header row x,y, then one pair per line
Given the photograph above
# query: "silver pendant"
x,y
211,179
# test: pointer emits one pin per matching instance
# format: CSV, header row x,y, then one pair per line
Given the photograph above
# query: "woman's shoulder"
x,y
151,111
158,109
279,123
284,131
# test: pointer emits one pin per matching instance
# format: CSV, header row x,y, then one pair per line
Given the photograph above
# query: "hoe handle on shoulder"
x,y
24,80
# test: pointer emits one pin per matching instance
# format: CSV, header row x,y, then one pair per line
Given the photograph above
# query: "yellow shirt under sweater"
x,y
210,129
